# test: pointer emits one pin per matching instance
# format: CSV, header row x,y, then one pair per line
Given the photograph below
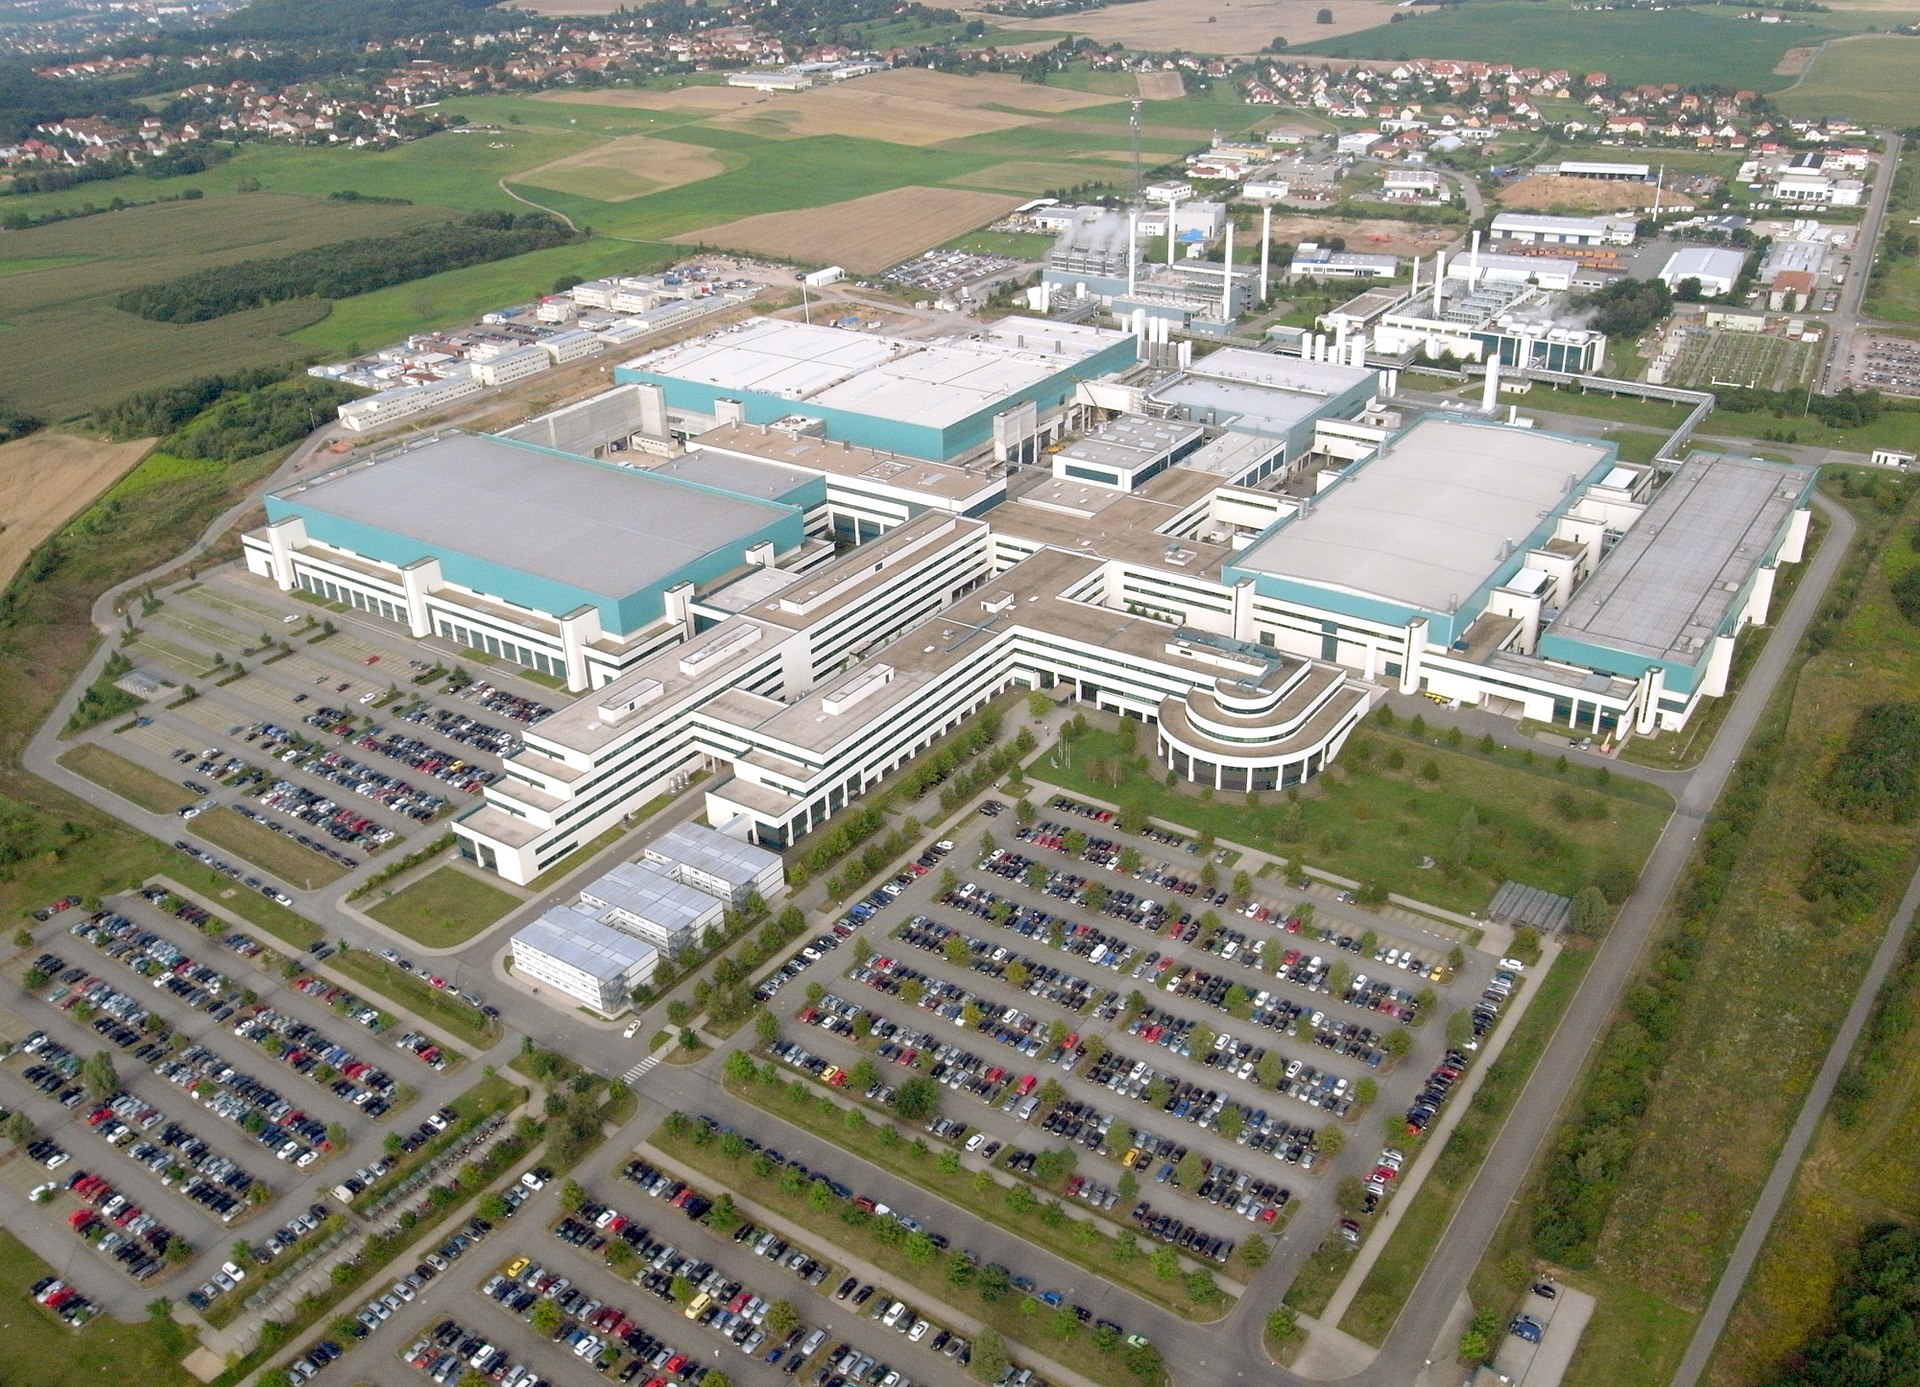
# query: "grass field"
x,y
444,908
1686,46
43,1352
1753,1032
1870,78
423,1000
270,852
133,783
1374,822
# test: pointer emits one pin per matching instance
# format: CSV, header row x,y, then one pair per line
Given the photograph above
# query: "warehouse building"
x,y
1536,228
1715,269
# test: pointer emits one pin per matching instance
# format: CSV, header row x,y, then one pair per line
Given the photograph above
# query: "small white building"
x,y
572,345
574,954
1359,142
1173,190
1716,268
729,869
1413,185
1532,228
510,366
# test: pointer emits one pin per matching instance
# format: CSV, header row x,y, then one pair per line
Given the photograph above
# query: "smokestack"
x,y
1473,259
1133,255
1266,244
1490,391
1360,351
1141,342
1340,336
1319,346
1439,276
1226,279
1173,205
1415,291
1393,384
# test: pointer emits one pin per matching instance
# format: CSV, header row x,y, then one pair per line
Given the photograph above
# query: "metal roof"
x,y
605,530
713,852
1432,515
1667,588
648,891
580,941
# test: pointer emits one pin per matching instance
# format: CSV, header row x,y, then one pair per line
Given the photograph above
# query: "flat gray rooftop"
x,y
577,939
713,852
1669,585
646,891
1432,515
609,531
742,476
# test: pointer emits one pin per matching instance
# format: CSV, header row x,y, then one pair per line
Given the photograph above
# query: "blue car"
x,y
1526,1327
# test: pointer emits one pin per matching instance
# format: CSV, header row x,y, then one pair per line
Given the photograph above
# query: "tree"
x,y
1165,1263
1052,1095
98,1074
1590,913
1283,1326
1189,1172
1323,17
1330,1140
782,1319
1256,1251
547,1317
994,1281
917,1099
572,1196
1459,1028
766,1026
1232,1121
988,1362
1397,1041
493,1208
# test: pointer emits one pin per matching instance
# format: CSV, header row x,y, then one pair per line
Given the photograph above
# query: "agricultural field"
x,y
65,327
867,234
1870,78
645,170
48,477
1687,46
1220,26
1548,192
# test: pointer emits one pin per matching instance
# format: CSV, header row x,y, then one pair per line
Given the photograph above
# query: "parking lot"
x,y
239,1095
1141,1017
1884,362
346,749
944,271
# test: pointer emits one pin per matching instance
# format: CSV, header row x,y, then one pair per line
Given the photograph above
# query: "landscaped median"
x,y
136,784
444,908
913,1259
1156,1275
418,996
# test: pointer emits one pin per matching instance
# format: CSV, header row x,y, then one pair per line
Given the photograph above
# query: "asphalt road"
x,y
1848,319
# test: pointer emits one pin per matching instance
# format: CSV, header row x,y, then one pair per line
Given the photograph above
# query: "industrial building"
x,y
1716,269
1311,261
1098,256
932,399
1535,228
1239,548
1479,307
573,953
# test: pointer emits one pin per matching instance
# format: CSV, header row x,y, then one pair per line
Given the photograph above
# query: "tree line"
x,y
151,413
345,268
1870,1337
262,420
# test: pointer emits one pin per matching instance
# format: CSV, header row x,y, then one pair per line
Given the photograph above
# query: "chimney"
x,y
1266,245
1490,391
1132,233
1173,205
1226,278
1439,276
1473,259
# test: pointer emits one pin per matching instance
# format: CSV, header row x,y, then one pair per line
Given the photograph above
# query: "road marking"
x,y
642,1067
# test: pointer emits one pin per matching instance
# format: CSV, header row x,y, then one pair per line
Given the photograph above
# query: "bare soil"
x,y
46,479
865,234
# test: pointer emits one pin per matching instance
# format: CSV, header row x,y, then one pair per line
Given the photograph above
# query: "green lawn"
x,y
270,852
422,999
1405,1257
1686,46
444,908
135,784
1372,821
1320,1276
43,1352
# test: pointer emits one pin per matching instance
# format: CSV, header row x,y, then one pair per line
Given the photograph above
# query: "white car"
x,y
234,1270
633,1029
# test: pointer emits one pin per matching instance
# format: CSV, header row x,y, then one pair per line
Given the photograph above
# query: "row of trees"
x,y
261,420
345,268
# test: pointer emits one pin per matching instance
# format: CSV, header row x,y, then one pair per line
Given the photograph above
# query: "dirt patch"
x,y
1160,86
1377,237
865,234
1219,26
628,167
1794,62
1588,194
48,478
713,99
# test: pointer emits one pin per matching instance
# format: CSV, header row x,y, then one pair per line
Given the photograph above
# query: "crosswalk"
x,y
642,1067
